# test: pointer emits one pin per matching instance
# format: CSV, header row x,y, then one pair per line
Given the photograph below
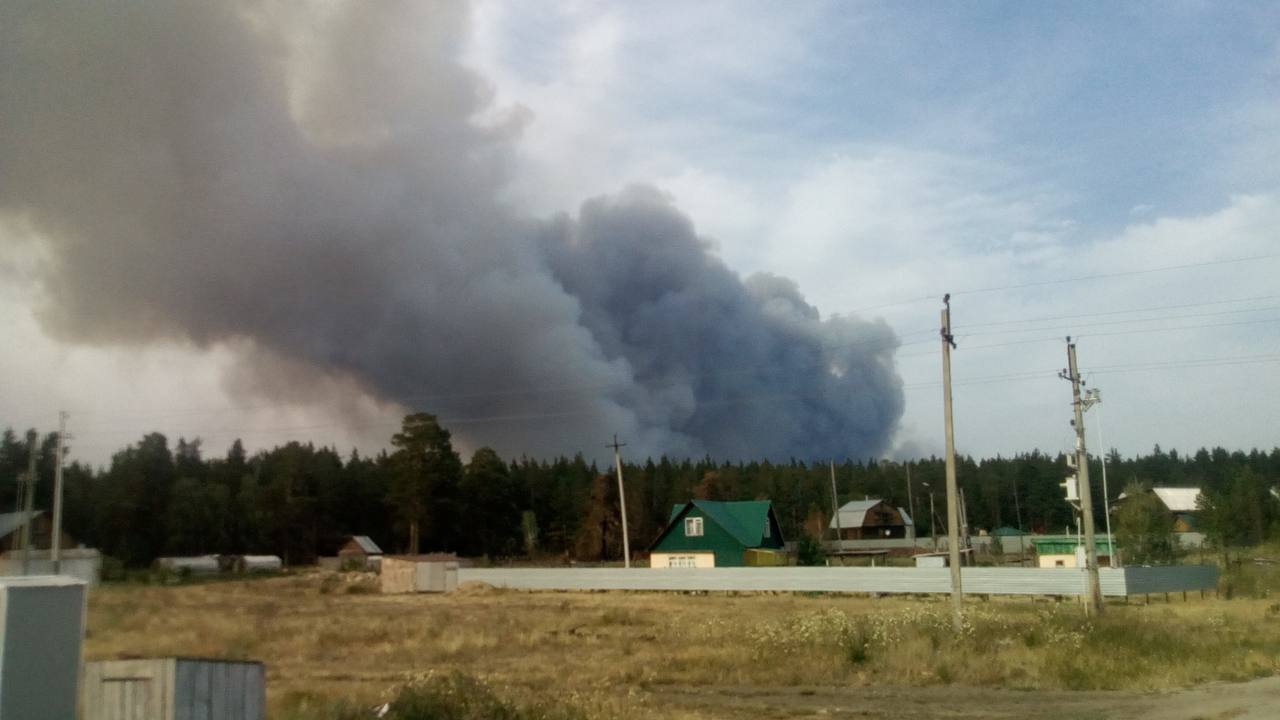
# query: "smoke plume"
x,y
324,185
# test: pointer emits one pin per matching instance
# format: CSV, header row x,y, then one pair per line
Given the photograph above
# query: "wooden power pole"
x,y
953,504
835,509
622,501
1093,601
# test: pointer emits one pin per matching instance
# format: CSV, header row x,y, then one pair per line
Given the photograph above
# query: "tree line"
x,y
300,501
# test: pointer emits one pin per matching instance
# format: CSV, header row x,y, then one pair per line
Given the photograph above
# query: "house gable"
x,y
728,530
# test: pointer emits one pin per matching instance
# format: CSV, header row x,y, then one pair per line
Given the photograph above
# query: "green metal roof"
x,y
743,519
1066,544
1007,531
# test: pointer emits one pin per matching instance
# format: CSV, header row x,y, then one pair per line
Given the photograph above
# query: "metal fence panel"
x,y
978,581
1171,578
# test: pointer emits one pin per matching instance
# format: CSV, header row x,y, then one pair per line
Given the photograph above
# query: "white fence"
x,y
1118,582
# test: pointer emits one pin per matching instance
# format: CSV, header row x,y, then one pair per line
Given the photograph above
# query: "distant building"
x,y
873,519
11,525
1068,551
709,533
1183,505
74,559
359,550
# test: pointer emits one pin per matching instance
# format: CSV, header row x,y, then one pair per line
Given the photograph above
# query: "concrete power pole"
x,y
28,503
622,501
1093,603
55,546
953,509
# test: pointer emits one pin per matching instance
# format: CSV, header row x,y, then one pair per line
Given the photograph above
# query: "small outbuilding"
x,y
174,689
196,565
419,573
258,564
1067,551
710,533
359,550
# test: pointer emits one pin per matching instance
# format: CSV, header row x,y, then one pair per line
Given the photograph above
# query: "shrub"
x,y
451,697
809,551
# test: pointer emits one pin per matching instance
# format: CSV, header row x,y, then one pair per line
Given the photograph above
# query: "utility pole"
x,y
953,514
933,522
28,502
911,503
835,505
1093,602
622,501
55,546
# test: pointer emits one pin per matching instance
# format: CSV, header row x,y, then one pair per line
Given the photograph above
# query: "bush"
x,y
113,569
452,697
809,551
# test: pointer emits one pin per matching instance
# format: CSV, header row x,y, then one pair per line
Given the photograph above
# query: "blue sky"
x,y
877,153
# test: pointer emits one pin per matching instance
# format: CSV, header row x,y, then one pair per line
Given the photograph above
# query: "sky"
x,y
1105,171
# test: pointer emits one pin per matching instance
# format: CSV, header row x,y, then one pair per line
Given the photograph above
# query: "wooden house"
x,y
11,525
873,519
709,533
359,550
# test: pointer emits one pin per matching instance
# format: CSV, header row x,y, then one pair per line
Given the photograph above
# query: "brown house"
x,y
359,550
11,525
873,520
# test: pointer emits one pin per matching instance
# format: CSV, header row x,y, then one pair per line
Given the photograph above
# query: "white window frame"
x,y
768,528
693,527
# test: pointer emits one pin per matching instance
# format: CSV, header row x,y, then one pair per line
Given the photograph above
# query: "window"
x,y
768,528
682,561
1059,563
693,527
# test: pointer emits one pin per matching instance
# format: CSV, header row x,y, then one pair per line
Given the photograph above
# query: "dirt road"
x,y
1253,700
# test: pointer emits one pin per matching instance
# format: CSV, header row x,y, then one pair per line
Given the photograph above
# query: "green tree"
x,y
489,500
1144,527
424,481
1241,514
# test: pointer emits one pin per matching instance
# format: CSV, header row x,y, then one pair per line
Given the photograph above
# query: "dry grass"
x,y
606,652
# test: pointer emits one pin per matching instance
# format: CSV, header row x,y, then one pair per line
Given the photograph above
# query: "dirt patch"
x,y
1256,699
475,587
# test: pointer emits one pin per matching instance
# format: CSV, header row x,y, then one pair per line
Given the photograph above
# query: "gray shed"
x,y
40,639
174,689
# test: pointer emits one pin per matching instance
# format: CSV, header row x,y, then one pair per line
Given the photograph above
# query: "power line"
x,y
1124,312
1082,278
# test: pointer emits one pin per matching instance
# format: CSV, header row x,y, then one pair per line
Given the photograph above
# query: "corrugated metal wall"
x,y
981,581
174,689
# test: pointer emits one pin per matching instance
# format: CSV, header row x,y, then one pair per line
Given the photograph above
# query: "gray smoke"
x,y
315,183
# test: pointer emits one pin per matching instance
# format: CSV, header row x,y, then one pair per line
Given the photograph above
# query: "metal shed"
x,y
174,689
423,573
40,637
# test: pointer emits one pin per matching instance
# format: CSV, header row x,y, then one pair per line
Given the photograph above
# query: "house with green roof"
x,y
1068,550
712,533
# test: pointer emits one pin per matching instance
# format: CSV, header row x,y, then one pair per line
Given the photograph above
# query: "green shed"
x,y
712,533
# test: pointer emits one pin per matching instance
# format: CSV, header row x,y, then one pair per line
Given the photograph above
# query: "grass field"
x,y
326,638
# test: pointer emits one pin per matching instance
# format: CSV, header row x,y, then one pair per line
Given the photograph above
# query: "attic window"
x,y
768,529
693,527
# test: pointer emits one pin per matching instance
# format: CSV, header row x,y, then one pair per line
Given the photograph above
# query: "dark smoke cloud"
x,y
316,185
